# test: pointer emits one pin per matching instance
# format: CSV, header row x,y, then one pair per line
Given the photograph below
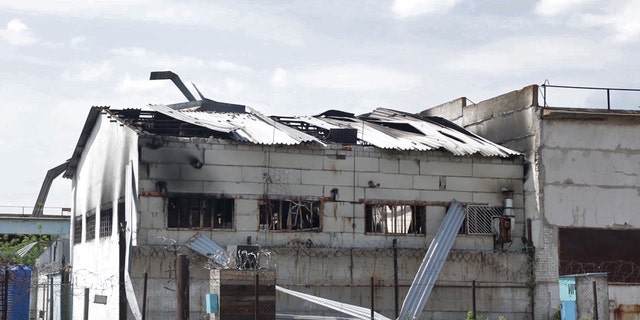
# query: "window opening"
x,y
91,225
77,230
395,219
106,222
290,215
199,212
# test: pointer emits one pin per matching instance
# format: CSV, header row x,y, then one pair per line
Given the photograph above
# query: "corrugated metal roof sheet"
x,y
382,128
390,129
432,263
249,126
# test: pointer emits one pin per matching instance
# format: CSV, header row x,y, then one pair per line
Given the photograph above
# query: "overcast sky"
x,y
59,58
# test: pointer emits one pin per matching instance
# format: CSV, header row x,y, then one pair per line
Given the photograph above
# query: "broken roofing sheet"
x,y
383,128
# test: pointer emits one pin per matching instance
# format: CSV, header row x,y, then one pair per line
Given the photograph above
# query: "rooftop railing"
x,y
27,210
607,91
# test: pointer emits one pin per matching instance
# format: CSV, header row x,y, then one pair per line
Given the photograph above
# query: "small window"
x,y
395,219
91,225
77,229
199,212
290,215
106,222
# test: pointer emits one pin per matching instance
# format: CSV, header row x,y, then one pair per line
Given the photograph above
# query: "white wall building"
x,y
581,187
326,195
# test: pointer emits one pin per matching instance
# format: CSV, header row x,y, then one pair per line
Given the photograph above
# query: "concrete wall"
x,y
341,258
581,170
100,181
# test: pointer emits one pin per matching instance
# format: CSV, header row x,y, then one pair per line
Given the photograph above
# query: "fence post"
x,y
182,284
372,300
144,297
256,307
473,297
395,276
595,297
86,304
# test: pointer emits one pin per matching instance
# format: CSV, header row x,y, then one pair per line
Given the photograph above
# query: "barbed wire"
x,y
617,270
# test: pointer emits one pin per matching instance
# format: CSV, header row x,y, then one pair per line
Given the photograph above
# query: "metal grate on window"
x,y
480,217
91,225
77,230
106,222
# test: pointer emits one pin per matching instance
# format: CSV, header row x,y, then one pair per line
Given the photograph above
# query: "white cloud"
x,y
279,78
234,87
155,60
521,54
130,85
410,8
556,7
77,43
618,17
255,21
356,77
86,72
18,34
622,20
224,65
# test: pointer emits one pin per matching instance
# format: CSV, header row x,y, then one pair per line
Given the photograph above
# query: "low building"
x,y
345,205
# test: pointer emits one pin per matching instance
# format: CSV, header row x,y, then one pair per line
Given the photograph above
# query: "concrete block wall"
x,y
249,172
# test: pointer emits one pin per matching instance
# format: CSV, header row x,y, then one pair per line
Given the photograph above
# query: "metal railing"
x,y
608,91
27,210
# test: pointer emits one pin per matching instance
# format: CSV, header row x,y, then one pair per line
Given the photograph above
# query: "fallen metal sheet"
x,y
354,311
432,263
24,250
250,126
209,249
307,317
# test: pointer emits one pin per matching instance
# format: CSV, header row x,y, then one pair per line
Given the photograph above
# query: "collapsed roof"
x,y
382,128
205,118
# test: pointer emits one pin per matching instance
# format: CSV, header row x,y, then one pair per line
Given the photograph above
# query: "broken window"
x,y
200,212
77,230
395,219
290,215
106,222
91,225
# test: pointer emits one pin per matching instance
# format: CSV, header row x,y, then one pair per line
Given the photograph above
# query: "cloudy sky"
x,y
59,58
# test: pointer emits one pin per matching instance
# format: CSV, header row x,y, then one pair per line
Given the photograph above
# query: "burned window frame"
x,y
308,215
200,212
106,221
373,226
91,225
77,230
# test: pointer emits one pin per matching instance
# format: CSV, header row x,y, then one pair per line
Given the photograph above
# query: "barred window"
x,y
91,225
77,229
106,222
290,215
200,212
479,218
395,219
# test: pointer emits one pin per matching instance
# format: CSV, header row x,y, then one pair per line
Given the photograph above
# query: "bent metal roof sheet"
x,y
382,128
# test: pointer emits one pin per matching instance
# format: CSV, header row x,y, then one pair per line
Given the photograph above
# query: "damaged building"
x,y
580,191
341,206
